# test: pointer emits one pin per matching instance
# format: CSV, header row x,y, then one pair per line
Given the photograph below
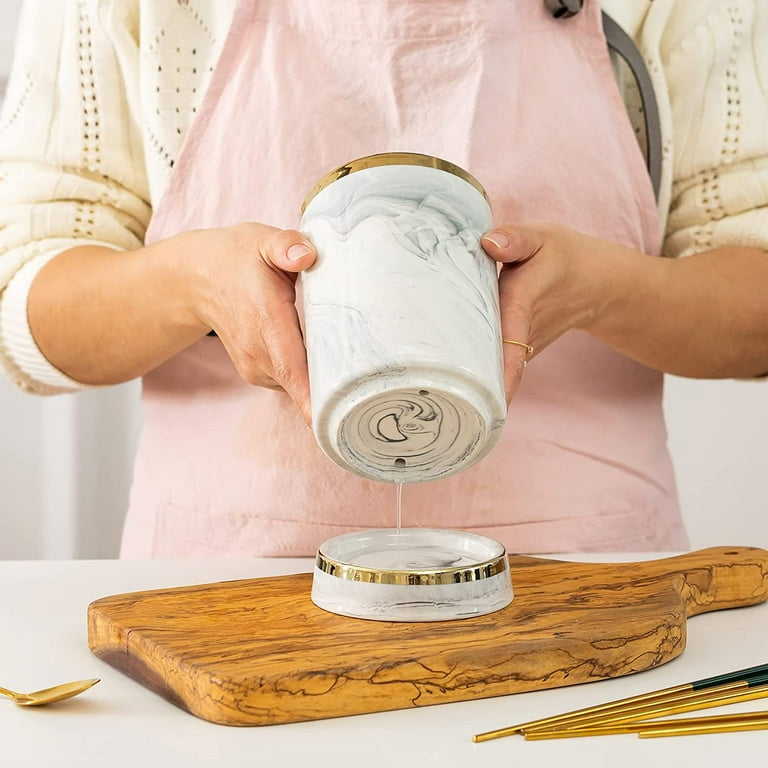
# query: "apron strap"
x,y
623,45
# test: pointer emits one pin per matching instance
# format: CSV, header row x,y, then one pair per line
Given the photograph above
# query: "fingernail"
x,y
499,239
297,251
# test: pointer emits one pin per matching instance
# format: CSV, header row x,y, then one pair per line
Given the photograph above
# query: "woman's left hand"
x,y
550,281
701,316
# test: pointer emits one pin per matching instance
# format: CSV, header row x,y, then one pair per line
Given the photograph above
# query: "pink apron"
x,y
528,105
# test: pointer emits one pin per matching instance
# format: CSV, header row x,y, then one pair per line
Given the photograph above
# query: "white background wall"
x,y
9,11
64,462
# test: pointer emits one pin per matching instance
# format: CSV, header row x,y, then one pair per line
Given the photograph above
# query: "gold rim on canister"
x,y
391,158
425,577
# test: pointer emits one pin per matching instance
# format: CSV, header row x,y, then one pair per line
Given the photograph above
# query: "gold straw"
x,y
624,709
750,721
693,726
682,702
752,675
628,723
577,714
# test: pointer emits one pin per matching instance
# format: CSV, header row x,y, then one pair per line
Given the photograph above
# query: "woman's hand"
x,y
244,289
103,316
549,283
701,316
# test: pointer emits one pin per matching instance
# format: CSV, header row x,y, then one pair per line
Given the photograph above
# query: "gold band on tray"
x,y
424,577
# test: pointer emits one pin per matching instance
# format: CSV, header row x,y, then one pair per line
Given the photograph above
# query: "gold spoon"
x,y
49,695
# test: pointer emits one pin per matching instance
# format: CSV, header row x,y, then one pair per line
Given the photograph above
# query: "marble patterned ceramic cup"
x,y
401,314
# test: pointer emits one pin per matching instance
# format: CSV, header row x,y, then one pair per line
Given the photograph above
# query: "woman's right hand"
x,y
243,287
103,316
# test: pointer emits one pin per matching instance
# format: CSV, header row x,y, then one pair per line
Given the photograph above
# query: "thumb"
x,y
290,251
512,245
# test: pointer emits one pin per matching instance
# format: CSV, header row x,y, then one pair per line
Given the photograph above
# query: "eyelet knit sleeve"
x,y
101,98
715,60
72,168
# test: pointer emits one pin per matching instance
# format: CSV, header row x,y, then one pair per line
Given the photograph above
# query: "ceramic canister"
x,y
401,315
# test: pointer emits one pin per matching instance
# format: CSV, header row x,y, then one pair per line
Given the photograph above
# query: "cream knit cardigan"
x,y
103,93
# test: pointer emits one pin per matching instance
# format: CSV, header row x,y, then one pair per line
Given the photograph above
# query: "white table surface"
x,y
43,641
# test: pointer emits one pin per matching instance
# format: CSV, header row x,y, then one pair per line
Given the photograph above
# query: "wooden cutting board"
x,y
258,651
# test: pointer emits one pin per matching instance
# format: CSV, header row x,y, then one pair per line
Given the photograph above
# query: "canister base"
x,y
410,426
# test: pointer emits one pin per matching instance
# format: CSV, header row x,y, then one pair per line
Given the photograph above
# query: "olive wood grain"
x,y
258,651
